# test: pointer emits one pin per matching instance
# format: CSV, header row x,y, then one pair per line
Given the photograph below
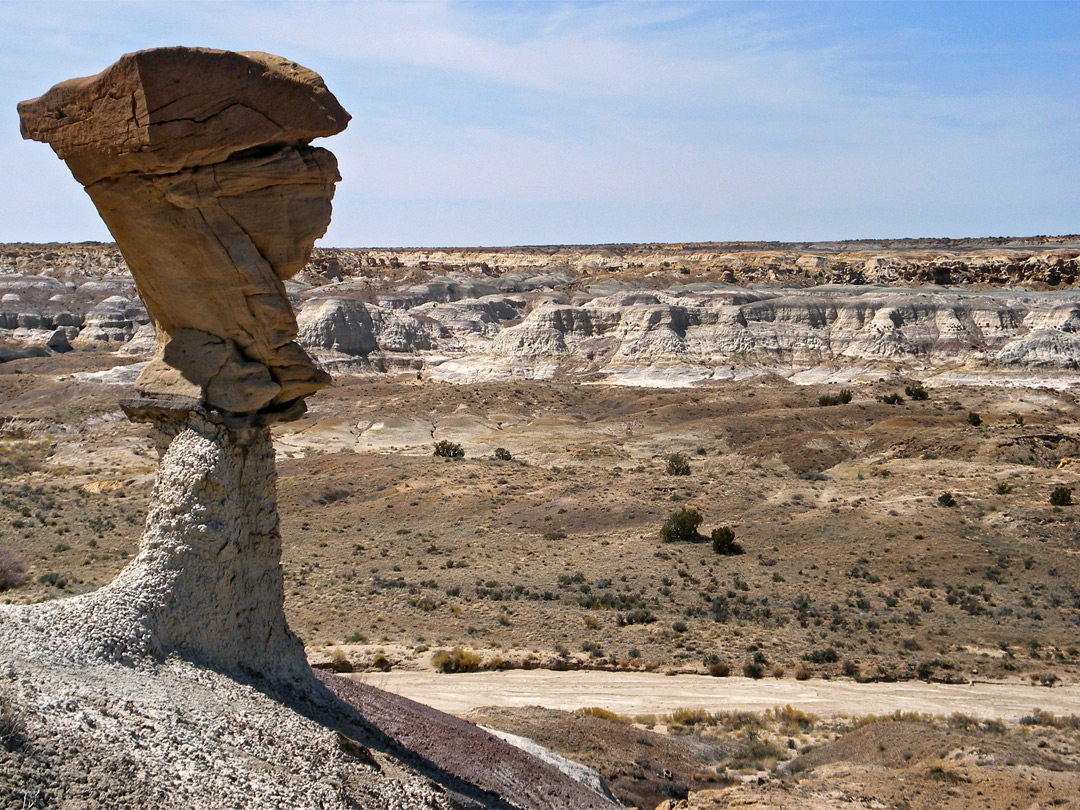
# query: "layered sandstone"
x,y
200,164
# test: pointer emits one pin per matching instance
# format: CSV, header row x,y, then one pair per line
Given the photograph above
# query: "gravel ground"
x,y
181,737
176,735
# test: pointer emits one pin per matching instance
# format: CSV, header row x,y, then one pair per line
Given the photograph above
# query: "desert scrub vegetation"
x,y
715,667
682,527
916,392
1040,717
677,464
783,721
19,455
456,660
448,449
602,713
1061,496
12,572
842,398
723,542
756,754
502,454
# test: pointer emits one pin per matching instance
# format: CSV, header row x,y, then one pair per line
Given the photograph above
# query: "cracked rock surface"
x,y
200,163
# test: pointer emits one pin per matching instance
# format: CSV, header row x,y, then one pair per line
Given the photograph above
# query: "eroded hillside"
x,y
659,315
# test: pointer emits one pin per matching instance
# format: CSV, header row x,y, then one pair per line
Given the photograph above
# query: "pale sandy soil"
x,y
631,694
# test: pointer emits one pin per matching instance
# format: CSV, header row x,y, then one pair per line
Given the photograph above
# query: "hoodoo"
x,y
200,163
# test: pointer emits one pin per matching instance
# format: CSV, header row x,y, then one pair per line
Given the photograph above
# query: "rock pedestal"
x,y
207,582
200,163
211,549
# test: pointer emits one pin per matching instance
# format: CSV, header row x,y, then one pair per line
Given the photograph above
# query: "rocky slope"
x,y
645,314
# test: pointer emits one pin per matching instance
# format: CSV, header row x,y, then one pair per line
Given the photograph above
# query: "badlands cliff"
x,y
640,314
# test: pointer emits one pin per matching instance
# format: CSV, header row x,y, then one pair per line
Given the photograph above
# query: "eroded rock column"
x,y
200,162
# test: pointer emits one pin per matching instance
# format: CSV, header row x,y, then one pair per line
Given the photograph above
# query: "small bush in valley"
x,y
678,464
891,399
723,542
636,616
917,392
946,499
448,449
715,667
54,579
1061,496
602,714
755,667
456,660
843,398
974,419
502,454
757,754
681,526
12,573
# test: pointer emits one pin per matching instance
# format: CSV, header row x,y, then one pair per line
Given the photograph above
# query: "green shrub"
x,y
456,660
891,399
678,464
1062,496
946,499
502,454
828,655
757,754
723,542
636,616
917,392
843,398
1003,488
974,419
448,449
681,526
54,579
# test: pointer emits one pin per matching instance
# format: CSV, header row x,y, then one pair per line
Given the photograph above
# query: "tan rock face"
x,y
200,163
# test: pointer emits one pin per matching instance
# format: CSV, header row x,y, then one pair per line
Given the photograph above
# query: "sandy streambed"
x,y
636,693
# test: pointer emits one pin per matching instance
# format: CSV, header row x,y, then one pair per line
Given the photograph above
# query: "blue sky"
x,y
504,123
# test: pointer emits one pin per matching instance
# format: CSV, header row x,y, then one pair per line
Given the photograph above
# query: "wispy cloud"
x,y
608,121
